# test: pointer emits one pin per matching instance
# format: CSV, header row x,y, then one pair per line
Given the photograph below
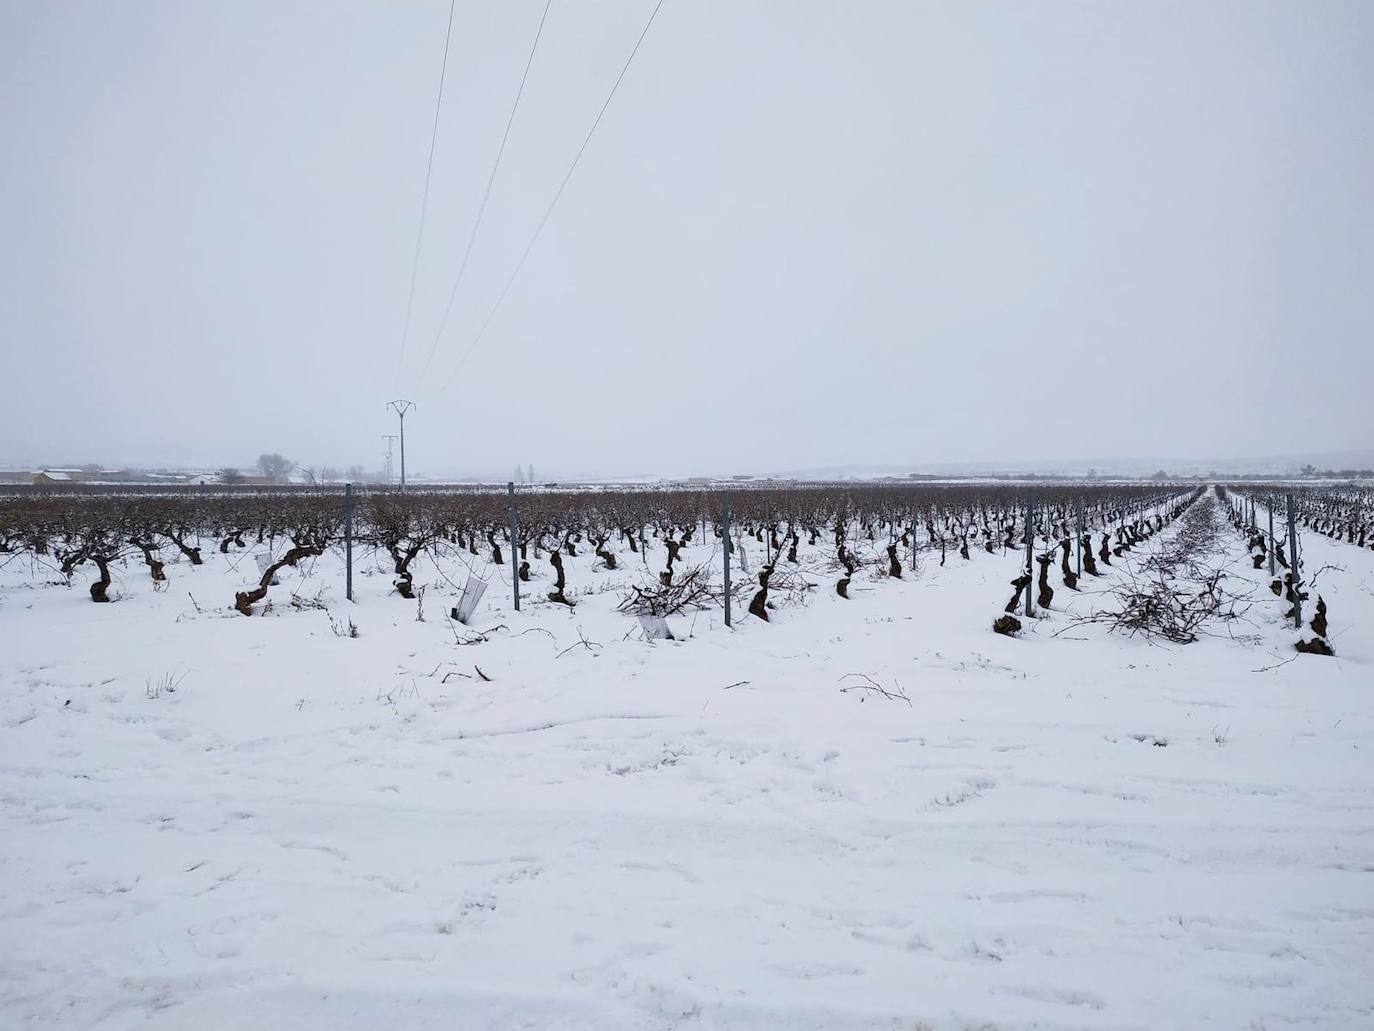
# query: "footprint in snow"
x,y
1049,993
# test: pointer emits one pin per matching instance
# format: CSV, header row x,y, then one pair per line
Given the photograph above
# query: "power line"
x,y
486,194
424,202
558,193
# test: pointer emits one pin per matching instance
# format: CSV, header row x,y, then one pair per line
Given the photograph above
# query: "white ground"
x,y
321,832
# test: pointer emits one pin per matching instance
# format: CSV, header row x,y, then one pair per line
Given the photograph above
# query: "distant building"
x,y
87,474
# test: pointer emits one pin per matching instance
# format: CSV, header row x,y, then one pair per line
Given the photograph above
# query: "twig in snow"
x,y
1285,662
874,687
477,638
582,641
1330,565
539,630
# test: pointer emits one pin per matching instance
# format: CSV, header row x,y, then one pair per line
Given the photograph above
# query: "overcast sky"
x,y
804,234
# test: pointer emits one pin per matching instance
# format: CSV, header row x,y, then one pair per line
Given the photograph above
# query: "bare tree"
x,y
276,467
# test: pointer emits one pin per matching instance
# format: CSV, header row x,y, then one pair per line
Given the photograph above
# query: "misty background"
x,y
804,234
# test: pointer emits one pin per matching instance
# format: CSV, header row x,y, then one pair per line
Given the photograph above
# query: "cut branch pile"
x,y
690,589
1175,593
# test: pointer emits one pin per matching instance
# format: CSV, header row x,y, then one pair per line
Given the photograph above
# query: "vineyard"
x,y
859,753
832,534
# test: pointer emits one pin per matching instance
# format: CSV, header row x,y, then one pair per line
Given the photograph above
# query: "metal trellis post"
x,y
725,546
1080,538
348,541
1293,562
514,544
1270,505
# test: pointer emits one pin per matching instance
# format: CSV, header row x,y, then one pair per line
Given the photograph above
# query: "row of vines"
x,y
839,529
1273,518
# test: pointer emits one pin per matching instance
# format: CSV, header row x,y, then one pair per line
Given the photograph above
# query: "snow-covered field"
x,y
324,832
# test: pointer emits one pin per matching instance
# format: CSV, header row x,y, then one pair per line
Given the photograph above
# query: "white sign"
x,y
472,594
264,562
656,628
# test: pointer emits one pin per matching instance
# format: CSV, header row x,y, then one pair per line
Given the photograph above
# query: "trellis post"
x,y
348,541
1293,563
1270,506
1080,537
725,547
514,520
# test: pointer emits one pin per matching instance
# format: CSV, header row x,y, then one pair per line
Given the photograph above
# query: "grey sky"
x,y
805,233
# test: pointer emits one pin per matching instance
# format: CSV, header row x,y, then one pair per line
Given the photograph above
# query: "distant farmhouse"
x,y
65,477
53,477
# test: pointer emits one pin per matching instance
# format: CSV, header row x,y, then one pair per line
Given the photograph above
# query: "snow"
x,y
318,831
